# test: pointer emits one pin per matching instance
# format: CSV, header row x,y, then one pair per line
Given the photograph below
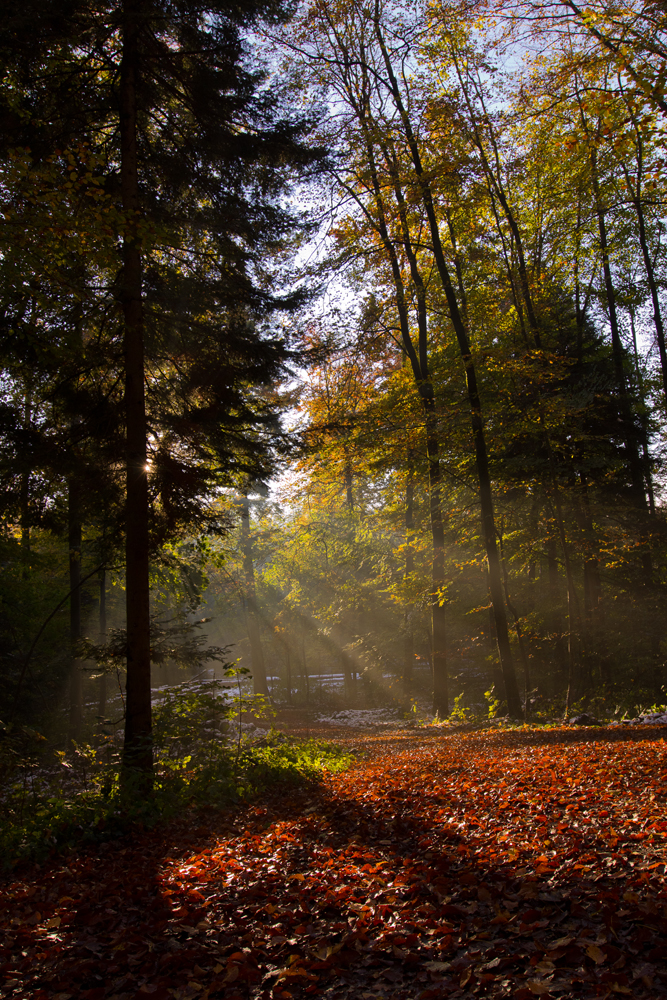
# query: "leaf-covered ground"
x,y
502,864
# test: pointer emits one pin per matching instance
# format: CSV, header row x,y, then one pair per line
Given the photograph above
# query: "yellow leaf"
x,y
53,922
538,988
594,952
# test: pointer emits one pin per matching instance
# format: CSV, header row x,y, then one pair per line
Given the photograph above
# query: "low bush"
x,y
53,800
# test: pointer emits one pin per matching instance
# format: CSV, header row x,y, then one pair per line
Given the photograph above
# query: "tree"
x,y
362,56
195,151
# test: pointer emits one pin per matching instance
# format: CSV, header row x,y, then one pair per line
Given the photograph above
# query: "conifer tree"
x,y
194,151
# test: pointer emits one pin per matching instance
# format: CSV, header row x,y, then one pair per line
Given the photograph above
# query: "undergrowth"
x,y
55,800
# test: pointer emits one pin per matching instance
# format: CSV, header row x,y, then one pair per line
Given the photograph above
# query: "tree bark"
x,y
629,435
138,750
409,645
25,495
258,668
76,676
102,693
517,627
438,610
635,191
618,352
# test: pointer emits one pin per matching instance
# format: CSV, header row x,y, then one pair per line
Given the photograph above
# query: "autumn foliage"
x,y
476,863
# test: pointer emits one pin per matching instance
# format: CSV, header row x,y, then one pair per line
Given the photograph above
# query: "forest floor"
x,y
497,863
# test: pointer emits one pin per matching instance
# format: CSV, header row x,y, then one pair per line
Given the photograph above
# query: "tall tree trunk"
x,y
644,419
477,422
555,612
618,353
517,627
409,641
102,693
25,494
419,363
138,750
573,613
260,685
494,172
76,675
655,299
496,669
592,636
438,610
635,190
629,435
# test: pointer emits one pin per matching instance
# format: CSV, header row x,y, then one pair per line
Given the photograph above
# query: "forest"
x,y
334,352
333,548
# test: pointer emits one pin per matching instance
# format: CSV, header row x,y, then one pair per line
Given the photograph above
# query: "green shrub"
x,y
62,800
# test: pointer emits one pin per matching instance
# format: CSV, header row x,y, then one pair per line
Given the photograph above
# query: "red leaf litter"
x,y
503,864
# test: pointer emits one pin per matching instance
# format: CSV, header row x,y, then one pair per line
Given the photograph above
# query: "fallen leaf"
x,y
465,978
538,988
596,954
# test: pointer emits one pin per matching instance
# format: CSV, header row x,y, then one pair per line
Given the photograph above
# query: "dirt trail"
x,y
513,864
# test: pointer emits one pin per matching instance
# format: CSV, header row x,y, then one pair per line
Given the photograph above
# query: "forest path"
x,y
492,863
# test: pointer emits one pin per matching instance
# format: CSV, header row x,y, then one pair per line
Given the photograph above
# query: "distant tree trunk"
x,y
306,679
138,748
346,667
409,642
555,615
102,693
634,185
618,353
477,422
25,494
438,609
517,626
643,414
593,636
76,676
419,364
349,495
260,685
496,670
288,673
574,616
477,428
